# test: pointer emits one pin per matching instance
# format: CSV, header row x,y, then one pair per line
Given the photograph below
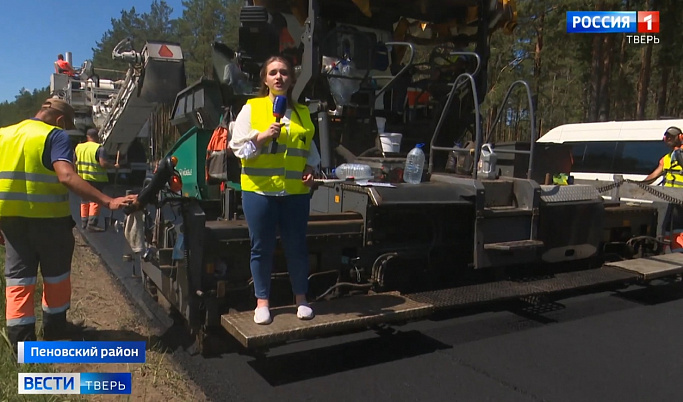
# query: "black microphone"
x,y
279,109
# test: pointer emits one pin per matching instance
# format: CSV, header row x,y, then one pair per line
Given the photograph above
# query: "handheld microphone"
x,y
279,109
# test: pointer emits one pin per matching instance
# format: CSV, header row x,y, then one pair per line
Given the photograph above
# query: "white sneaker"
x,y
262,316
304,312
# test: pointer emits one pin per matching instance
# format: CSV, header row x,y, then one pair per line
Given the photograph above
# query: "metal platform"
x,y
359,312
345,314
653,267
472,295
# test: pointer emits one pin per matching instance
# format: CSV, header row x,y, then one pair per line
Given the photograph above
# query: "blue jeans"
x,y
265,214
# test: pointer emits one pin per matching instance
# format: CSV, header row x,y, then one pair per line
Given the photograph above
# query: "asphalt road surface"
x,y
607,346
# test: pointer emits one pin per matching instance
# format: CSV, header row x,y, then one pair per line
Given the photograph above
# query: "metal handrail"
x,y
405,68
476,56
532,116
432,147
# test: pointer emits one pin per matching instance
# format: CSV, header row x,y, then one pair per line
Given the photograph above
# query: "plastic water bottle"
x,y
357,171
414,165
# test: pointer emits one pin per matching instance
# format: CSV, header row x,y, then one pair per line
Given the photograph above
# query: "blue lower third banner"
x,y
81,352
75,383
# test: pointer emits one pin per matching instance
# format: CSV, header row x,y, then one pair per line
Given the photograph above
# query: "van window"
x,y
595,156
624,157
640,157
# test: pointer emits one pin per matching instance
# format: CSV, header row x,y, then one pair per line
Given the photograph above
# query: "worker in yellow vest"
x,y
671,167
36,174
92,165
278,160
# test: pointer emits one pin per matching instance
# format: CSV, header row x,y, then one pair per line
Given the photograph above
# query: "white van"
x,y
600,150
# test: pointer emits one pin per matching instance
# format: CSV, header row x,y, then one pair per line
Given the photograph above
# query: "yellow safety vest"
x,y
87,164
27,188
673,172
279,173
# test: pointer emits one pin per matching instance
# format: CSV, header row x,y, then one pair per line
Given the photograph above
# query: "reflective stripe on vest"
x,y
673,172
27,188
87,163
280,172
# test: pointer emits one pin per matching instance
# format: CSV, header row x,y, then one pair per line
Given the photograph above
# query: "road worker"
x,y
36,174
92,165
63,67
671,167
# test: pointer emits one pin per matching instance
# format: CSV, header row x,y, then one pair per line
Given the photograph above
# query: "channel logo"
x,y
75,383
644,22
648,21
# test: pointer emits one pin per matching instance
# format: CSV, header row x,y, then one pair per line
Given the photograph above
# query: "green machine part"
x,y
190,150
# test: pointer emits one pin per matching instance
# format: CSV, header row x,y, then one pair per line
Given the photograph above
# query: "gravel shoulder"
x,y
99,300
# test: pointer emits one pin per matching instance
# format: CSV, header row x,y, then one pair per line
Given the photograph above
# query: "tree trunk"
x,y
596,69
537,57
624,91
644,81
606,67
674,107
661,96
668,55
537,54
620,109
644,76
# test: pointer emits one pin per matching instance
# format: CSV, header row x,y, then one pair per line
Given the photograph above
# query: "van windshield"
x,y
625,157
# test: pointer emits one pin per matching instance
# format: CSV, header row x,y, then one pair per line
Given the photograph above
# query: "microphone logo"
x,y
279,109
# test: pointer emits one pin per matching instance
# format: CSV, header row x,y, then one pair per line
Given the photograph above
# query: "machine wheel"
x,y
177,317
206,342
199,344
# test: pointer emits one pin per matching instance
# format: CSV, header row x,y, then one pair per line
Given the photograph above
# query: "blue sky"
x,y
33,32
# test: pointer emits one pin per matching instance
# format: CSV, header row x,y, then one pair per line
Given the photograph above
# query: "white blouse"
x,y
242,141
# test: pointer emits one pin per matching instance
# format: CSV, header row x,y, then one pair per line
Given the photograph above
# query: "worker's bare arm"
x,y
68,177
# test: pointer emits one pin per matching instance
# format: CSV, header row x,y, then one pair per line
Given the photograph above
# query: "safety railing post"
x,y
532,117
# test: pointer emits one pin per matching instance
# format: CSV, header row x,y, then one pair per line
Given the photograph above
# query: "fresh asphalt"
x,y
607,346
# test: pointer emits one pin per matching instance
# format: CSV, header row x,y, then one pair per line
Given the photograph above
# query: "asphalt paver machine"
x,y
382,251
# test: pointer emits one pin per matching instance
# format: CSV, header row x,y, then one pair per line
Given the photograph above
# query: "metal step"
x,y
349,313
472,295
653,267
498,193
167,269
505,211
513,245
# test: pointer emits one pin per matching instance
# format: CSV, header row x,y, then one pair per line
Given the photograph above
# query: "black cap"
x,y
673,131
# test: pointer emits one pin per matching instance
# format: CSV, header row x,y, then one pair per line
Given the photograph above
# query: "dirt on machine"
x,y
477,229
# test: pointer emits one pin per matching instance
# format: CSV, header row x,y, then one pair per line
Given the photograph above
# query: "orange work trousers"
x,y
32,244
90,211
